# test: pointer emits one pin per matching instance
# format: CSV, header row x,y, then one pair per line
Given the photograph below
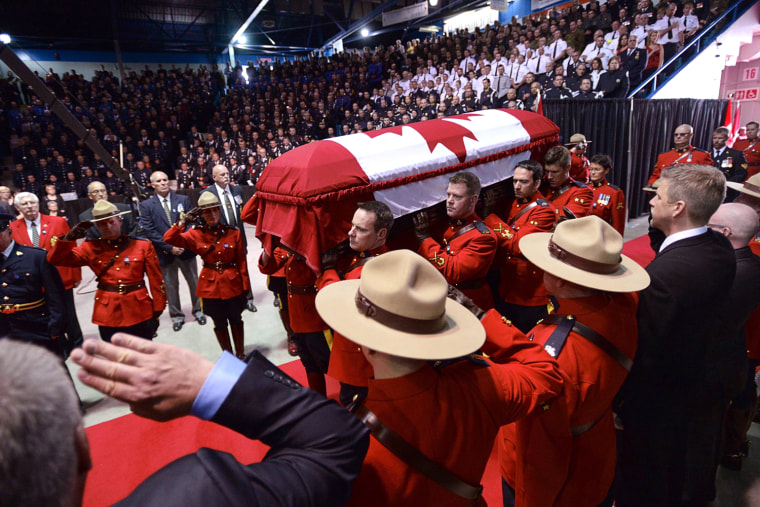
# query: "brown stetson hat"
x,y
750,187
104,210
399,307
208,200
577,138
586,251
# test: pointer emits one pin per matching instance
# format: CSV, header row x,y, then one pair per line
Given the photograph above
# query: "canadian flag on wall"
x,y
308,195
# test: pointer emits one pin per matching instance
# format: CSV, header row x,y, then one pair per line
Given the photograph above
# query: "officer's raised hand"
x,y
78,232
421,226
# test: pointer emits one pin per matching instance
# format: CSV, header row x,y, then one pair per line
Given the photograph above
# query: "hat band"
x,y
601,268
751,187
106,215
398,322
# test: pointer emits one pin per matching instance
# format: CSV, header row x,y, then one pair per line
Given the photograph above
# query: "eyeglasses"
x,y
677,134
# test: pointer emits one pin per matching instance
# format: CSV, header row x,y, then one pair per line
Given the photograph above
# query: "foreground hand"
x,y
421,226
158,381
78,232
177,251
489,201
329,258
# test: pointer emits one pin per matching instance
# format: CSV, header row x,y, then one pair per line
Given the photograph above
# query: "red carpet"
x,y
127,450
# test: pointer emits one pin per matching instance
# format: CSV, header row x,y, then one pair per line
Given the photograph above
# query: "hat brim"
x,y
462,334
629,277
739,187
210,206
117,214
578,142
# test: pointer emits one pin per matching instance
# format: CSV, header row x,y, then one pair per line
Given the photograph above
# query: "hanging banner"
x,y
500,5
415,11
538,5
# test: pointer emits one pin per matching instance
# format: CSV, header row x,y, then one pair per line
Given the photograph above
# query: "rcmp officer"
x,y
609,201
682,153
120,263
728,160
521,284
578,160
223,281
370,227
751,148
468,246
592,334
31,294
563,192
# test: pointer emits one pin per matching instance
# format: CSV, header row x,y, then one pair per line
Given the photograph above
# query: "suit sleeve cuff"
x,y
217,387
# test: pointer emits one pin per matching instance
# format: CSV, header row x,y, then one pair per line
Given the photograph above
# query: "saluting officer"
x,y
26,312
120,263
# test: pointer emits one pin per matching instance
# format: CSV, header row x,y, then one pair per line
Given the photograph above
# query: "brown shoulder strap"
x,y
213,246
523,211
123,246
600,341
407,453
466,228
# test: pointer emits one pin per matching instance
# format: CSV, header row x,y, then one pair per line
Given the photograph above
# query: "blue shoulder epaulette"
x,y
480,226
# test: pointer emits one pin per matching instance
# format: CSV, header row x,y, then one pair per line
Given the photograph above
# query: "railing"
x,y
703,39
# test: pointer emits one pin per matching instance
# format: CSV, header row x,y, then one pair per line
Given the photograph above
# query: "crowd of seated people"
x,y
186,121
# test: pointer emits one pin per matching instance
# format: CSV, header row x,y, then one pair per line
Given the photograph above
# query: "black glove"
x,y
421,226
330,258
193,215
458,296
79,231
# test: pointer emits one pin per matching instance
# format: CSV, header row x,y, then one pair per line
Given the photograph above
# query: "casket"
x,y
307,196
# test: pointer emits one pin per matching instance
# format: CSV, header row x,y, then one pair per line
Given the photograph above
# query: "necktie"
x,y
230,210
554,52
35,235
167,210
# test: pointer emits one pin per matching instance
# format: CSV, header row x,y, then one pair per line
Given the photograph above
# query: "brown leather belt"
x,y
220,266
302,289
20,307
122,288
471,284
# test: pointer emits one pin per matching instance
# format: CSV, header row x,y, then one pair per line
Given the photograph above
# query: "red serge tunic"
x,y
298,276
465,260
540,457
521,282
452,415
752,327
690,155
230,278
574,196
139,258
347,363
609,204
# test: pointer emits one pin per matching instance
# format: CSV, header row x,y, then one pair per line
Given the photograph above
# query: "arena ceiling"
x,y
203,26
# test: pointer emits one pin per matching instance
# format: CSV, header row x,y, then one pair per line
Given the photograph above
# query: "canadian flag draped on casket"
x,y
307,196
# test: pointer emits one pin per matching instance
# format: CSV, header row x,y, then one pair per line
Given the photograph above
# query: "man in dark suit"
x,y
728,160
739,223
32,300
157,215
97,191
231,199
669,408
312,438
634,60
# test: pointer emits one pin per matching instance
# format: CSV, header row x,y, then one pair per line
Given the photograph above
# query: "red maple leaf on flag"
x,y
451,137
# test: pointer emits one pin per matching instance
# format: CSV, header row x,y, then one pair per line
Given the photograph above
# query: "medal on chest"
x,y
604,199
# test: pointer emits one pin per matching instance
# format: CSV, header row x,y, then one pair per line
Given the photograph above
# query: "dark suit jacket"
x,y
634,64
730,350
154,224
237,204
732,163
678,316
27,276
317,449
128,225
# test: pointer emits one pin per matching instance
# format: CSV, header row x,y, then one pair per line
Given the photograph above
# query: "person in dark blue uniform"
x,y
27,313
